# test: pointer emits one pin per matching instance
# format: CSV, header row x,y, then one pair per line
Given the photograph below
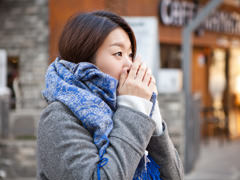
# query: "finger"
x,y
153,80
134,69
141,72
123,77
137,58
153,86
147,77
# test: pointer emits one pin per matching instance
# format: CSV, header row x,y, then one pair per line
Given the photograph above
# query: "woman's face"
x,y
115,54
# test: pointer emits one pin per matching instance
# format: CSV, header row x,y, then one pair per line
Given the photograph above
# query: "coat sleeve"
x,y
166,156
66,149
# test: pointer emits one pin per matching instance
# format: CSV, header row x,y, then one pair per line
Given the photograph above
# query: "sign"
x,y
146,32
170,80
176,13
179,13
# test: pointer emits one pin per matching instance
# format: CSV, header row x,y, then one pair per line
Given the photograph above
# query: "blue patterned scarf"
x,y
91,95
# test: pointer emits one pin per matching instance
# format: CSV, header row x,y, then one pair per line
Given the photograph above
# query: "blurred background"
x,y
192,47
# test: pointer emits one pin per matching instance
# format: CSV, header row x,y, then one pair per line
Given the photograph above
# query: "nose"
x,y
127,61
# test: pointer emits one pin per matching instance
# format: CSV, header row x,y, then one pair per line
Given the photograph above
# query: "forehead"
x,y
118,37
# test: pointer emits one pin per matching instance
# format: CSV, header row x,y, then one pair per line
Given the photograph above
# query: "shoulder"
x,y
55,113
57,107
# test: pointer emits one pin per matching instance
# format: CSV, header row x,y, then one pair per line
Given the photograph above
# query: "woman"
x,y
102,114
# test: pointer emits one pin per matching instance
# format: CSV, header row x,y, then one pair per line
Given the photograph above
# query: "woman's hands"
x,y
138,82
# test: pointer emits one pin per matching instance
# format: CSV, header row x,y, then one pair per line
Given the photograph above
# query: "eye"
x,y
118,54
131,55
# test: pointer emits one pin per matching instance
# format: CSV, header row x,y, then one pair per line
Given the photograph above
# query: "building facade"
x,y
29,34
24,36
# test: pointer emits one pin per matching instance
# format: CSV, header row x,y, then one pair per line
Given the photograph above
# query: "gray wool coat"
x,y
65,149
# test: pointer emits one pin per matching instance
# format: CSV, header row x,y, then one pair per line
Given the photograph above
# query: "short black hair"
x,y
84,33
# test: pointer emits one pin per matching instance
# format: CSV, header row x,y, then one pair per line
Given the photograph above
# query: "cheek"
x,y
102,62
109,65
114,70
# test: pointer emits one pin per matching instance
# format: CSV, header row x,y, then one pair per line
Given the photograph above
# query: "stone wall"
x,y
172,108
185,134
24,34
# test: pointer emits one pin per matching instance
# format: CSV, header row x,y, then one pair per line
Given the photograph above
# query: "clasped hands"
x,y
137,81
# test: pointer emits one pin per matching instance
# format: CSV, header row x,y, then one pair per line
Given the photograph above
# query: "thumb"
x,y
123,77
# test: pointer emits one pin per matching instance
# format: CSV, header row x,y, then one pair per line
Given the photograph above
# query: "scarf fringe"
x,y
149,173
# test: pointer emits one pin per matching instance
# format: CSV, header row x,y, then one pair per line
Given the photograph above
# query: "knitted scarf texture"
x,y
91,95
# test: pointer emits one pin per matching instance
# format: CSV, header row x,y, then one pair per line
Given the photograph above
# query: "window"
x,y
12,76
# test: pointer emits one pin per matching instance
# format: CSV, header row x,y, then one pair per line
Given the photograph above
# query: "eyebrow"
x,y
119,44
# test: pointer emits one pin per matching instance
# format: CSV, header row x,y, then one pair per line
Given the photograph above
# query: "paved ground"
x,y
17,159
217,162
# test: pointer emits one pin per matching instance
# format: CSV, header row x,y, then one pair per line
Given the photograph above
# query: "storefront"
x,y
215,61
